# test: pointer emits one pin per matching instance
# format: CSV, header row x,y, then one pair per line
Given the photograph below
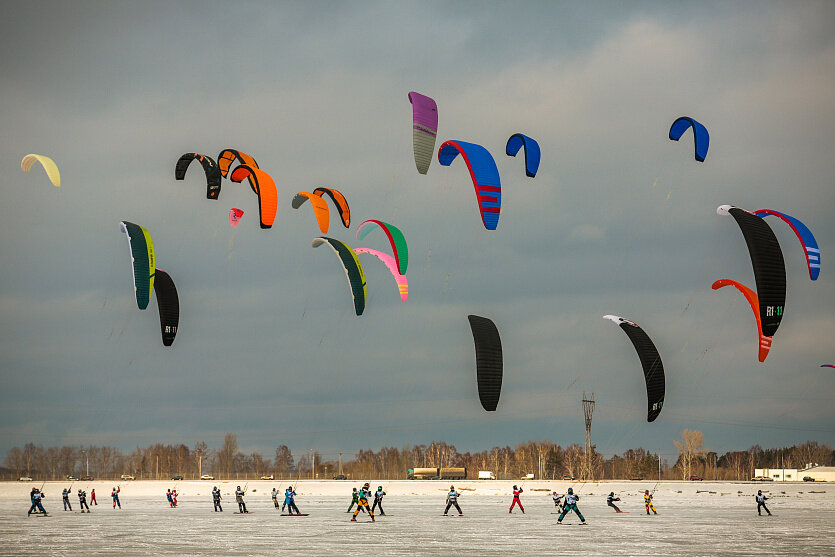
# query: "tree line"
x,y
545,459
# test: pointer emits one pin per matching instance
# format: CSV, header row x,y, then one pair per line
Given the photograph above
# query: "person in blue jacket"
x,y
571,505
288,500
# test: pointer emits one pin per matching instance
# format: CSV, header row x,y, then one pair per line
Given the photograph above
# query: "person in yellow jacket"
x,y
648,502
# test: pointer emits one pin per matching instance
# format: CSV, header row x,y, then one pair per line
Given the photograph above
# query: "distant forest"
x,y
544,459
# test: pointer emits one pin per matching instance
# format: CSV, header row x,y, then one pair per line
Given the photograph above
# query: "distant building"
x,y
820,473
779,474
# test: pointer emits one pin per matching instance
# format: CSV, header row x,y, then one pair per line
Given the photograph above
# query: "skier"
x,y
239,498
362,501
354,501
571,505
170,500
610,501
516,501
36,502
275,497
452,500
289,502
557,500
82,501
648,502
93,496
115,496
216,499
761,499
174,496
378,500
66,497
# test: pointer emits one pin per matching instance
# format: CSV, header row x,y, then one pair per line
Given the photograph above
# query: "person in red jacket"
x,y
516,501
174,496
93,497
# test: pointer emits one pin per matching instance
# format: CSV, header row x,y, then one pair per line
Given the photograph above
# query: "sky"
x,y
619,220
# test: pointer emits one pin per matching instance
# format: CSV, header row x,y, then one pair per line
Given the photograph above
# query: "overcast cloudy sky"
x,y
618,220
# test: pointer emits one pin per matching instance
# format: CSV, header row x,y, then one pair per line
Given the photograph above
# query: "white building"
x,y
779,474
820,473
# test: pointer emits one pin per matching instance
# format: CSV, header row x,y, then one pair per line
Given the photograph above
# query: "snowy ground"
x,y
721,519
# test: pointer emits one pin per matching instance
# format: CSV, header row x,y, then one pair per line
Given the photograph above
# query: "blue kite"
x,y
807,240
485,176
700,135
532,153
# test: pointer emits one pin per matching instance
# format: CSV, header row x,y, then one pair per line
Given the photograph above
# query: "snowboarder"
x,y
378,500
170,500
610,499
362,501
65,495
516,501
239,498
761,499
82,501
354,501
452,500
93,496
571,505
216,499
289,502
648,502
36,502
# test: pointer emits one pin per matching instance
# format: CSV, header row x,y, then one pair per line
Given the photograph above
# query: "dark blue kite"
x,y
532,154
700,135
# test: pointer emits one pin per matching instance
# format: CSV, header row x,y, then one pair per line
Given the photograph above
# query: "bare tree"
x,y
689,449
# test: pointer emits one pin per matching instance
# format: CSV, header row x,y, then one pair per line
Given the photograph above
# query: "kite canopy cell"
x,y
650,361
701,138
424,129
488,359
484,174
532,154
48,165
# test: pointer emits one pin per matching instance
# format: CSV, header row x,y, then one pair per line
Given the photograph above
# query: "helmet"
x,y
554,492
759,492
379,487
365,484
570,490
79,491
355,489
646,491
514,487
452,487
612,493
239,487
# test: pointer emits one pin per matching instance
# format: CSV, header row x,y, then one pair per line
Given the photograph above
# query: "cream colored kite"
x,y
48,165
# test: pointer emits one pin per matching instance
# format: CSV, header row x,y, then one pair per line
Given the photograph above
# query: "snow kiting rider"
x,y
571,505
354,501
761,499
610,500
452,500
93,496
516,501
170,500
36,496
275,497
557,500
216,499
289,501
362,501
115,496
378,500
82,501
648,502
65,495
239,498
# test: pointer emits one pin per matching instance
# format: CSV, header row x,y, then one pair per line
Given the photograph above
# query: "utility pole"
x,y
199,462
157,472
340,465
588,409
87,462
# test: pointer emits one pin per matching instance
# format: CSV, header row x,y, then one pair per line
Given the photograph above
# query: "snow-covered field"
x,y
695,518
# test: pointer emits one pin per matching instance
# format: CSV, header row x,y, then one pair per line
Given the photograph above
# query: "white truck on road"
x,y
486,475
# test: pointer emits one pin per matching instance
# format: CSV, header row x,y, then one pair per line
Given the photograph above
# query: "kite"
x,y
488,359
142,255
807,240
48,165
264,187
701,139
484,174
168,304
532,154
751,296
209,167
352,267
424,129
395,238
